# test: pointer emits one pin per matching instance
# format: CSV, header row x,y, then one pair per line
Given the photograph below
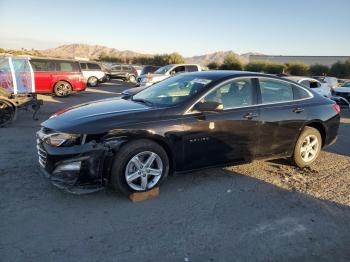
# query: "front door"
x,y
228,136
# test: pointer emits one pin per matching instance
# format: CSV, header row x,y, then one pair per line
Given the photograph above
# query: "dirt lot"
x,y
264,211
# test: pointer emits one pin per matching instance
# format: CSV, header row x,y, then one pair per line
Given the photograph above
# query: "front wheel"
x,y
62,89
139,166
308,147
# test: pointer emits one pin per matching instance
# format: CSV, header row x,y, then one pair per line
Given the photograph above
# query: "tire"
x,y
62,89
124,165
7,113
108,78
305,153
132,79
92,81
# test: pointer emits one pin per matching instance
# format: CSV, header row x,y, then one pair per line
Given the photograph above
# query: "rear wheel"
x,y
308,147
62,89
139,166
7,113
92,81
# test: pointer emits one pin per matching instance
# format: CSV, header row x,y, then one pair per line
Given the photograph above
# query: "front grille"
x,y
41,153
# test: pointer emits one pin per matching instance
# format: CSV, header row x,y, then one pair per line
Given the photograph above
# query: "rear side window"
x,y
67,66
300,93
92,66
275,91
191,68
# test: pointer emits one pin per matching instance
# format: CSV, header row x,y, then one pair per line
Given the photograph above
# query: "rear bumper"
x,y
332,126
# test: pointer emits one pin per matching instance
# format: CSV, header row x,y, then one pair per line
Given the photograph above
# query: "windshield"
x,y
173,90
163,69
347,84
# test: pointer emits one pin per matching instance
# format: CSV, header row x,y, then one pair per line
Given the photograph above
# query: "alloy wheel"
x,y
144,171
309,148
63,89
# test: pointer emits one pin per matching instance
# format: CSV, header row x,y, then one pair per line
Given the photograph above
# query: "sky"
x,y
192,27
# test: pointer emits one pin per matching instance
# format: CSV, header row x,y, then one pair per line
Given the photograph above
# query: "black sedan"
x,y
187,122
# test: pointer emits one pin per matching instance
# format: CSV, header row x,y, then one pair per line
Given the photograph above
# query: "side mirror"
x,y
209,106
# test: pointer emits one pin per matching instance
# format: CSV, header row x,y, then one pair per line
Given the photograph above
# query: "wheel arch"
x,y
320,127
154,138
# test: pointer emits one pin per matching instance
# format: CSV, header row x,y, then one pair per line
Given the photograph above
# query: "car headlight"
x,y
58,139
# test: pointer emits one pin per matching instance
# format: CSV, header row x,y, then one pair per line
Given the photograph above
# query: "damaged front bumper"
x,y
76,169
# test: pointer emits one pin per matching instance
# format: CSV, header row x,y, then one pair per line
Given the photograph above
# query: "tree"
x,y
231,63
341,69
255,66
318,70
273,68
213,65
175,58
298,69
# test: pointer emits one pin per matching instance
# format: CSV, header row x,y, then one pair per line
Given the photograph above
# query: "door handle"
x,y
250,116
298,110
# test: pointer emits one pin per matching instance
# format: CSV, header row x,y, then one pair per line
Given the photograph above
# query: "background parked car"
x,y
145,70
332,82
93,73
107,71
61,77
167,71
343,91
124,72
314,84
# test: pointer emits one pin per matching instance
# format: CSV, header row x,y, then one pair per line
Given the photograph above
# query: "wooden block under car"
x,y
142,196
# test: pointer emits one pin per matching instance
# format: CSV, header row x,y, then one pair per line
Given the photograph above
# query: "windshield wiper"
x,y
143,101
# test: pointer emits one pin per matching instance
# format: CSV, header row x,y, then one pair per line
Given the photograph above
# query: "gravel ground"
x,y
263,211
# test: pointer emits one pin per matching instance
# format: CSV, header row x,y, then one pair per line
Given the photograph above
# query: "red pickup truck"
x,y
61,77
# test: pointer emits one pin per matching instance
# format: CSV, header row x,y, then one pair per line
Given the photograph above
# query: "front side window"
x,y
83,66
39,65
116,68
163,69
238,93
275,91
92,66
173,90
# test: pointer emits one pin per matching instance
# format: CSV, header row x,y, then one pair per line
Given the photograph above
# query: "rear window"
x,y
67,66
126,68
93,66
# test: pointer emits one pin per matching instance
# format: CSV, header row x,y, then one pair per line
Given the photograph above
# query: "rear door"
x,y
282,115
229,136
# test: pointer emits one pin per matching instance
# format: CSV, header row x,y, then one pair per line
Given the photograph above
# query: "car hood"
x,y
98,116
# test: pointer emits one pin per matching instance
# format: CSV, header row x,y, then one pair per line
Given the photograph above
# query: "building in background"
x,y
308,60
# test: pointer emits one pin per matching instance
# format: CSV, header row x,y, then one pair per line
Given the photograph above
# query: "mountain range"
x,y
94,51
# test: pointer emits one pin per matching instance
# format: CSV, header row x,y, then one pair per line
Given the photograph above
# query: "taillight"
x,y
336,108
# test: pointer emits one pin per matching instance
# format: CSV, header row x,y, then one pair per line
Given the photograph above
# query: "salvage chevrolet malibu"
x,y
187,122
